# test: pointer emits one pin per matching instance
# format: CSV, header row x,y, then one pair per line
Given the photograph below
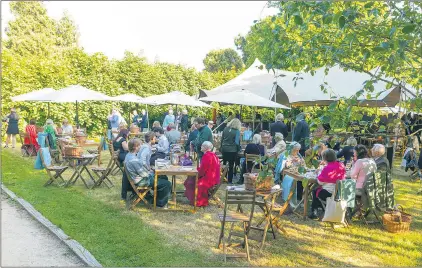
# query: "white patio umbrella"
x,y
36,95
130,97
77,93
244,97
176,98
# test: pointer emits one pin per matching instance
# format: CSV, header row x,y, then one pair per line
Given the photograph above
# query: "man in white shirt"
x,y
162,148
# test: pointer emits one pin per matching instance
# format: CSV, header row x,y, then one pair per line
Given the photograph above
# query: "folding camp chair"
x,y
103,174
55,153
213,190
116,167
255,159
236,198
58,170
140,191
27,149
98,150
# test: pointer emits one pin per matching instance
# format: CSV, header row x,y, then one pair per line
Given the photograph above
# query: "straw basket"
x,y
72,151
251,183
396,221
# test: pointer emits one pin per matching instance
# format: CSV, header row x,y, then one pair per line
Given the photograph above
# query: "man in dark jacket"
x,y
184,122
278,126
301,133
204,134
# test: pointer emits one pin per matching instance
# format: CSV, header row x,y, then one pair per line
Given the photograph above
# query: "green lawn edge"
x,y
114,236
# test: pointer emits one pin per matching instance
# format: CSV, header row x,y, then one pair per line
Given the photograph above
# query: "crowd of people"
x,y
139,158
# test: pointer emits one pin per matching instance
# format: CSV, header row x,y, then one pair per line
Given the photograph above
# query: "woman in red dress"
x,y
31,137
208,176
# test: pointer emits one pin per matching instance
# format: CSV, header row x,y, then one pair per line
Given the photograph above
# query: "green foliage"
x,y
307,35
222,60
40,52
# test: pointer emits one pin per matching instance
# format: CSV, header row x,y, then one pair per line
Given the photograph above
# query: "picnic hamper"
x,y
72,151
396,221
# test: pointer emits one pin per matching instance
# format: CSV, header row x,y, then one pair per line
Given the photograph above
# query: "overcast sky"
x,y
176,32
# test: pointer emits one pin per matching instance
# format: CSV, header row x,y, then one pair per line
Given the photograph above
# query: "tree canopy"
x,y
223,60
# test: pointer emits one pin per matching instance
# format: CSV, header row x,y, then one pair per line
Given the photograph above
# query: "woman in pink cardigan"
x,y
327,180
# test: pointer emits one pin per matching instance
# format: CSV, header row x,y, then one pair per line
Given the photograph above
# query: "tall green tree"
x,y
222,60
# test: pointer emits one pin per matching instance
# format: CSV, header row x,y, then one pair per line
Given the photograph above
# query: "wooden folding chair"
x,y
266,205
280,209
236,198
98,150
58,170
255,159
55,153
28,149
116,167
103,174
213,190
140,191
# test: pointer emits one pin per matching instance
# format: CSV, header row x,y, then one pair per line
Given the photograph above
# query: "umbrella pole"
x,y
253,119
48,110
77,116
146,106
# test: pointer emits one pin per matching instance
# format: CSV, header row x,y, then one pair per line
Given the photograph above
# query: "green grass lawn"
x,y
117,237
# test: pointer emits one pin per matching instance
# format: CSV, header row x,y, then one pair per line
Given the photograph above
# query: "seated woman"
x,y
256,148
362,167
31,137
378,154
51,130
327,180
137,163
294,159
67,128
192,136
208,174
279,147
120,143
156,124
348,151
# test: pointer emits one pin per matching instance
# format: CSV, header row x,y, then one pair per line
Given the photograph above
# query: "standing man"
x,y
204,134
301,135
136,118
184,121
278,126
144,120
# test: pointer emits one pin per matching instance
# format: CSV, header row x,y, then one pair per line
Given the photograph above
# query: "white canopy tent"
x,y
255,79
339,83
176,98
129,97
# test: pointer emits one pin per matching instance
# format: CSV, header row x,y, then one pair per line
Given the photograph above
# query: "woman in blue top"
x,y
230,145
168,119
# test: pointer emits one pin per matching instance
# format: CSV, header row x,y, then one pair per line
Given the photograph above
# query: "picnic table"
x,y
309,182
80,167
175,171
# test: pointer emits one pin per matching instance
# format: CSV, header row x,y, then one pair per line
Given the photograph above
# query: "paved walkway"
x,y
25,242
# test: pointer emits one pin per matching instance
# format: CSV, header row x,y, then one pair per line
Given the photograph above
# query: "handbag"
x,y
185,160
335,209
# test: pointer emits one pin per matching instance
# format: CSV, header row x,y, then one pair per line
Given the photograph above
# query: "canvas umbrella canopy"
x,y
77,93
176,98
244,97
129,97
36,95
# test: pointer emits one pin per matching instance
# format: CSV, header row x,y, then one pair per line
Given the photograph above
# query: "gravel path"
x,y
25,242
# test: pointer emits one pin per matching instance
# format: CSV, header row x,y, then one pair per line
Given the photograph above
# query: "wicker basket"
x,y
72,151
395,221
251,184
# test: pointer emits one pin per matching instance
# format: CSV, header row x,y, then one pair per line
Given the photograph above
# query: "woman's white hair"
x,y
351,141
279,117
257,139
207,145
235,123
296,145
278,137
170,112
378,150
